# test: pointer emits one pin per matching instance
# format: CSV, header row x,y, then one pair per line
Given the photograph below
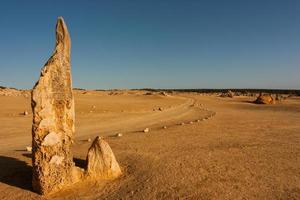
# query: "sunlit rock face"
x,y
53,119
265,99
53,127
101,161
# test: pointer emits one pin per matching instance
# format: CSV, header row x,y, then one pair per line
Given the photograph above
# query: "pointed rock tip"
x,y
62,34
60,24
60,19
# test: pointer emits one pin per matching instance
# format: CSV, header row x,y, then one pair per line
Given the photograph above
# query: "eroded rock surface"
x,y
53,119
265,99
229,93
101,162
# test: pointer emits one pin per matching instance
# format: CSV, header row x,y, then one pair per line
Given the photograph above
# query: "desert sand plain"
x,y
211,147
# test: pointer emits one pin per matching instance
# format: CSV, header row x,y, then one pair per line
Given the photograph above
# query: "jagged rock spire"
x,y
53,119
53,127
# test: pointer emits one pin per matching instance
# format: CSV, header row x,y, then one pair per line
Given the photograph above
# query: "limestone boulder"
x,y
101,161
265,99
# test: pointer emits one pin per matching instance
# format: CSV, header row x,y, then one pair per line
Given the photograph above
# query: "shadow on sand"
x,y
18,173
15,172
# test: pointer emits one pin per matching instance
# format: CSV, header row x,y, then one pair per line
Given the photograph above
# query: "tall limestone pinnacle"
x,y
53,119
53,127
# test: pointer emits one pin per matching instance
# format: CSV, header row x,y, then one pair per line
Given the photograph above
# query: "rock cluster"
x,y
229,93
11,92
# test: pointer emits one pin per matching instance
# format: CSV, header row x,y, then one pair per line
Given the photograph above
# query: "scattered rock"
x,y
89,139
163,93
160,109
29,149
191,122
229,93
25,112
182,123
279,97
265,99
164,127
146,130
119,135
101,162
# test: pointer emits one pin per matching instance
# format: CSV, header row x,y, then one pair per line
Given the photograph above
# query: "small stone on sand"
x,y
89,140
119,135
25,112
146,130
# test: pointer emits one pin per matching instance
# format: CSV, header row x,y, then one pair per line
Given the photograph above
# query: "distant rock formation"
x,y
53,119
265,99
101,162
12,92
53,127
229,93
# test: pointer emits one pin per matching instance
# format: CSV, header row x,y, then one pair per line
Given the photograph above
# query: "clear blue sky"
x,y
157,43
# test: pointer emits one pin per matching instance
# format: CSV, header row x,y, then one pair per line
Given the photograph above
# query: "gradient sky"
x,y
157,43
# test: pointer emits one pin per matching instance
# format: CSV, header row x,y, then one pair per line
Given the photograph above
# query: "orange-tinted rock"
x,y
229,93
101,162
265,99
53,119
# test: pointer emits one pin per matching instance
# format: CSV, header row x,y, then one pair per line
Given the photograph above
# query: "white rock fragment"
x,y
119,135
146,130
28,148
51,139
56,160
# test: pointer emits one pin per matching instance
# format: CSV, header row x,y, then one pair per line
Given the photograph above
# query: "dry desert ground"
x,y
198,147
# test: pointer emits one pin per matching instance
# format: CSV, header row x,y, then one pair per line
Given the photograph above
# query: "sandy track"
x,y
183,113
16,131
